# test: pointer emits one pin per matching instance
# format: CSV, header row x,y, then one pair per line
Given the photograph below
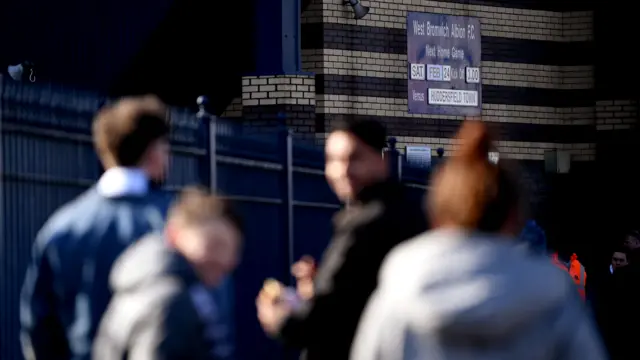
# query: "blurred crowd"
x,y
126,272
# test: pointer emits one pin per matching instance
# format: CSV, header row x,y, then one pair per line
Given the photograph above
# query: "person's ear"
x,y
171,233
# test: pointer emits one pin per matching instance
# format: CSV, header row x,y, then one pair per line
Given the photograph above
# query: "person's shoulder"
x,y
66,219
80,204
405,257
538,271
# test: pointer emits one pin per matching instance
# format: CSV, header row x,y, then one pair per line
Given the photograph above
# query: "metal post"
x,y
399,165
2,241
393,159
289,201
211,125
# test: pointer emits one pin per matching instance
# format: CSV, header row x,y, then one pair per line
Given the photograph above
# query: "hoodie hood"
x,y
475,287
147,260
535,237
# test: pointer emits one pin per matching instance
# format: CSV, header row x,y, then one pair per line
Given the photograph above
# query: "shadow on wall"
x,y
178,49
83,44
202,47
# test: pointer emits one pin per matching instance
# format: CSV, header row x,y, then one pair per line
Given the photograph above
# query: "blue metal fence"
x,y
277,180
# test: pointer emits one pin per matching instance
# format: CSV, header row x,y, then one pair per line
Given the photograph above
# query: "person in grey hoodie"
x,y
468,290
161,308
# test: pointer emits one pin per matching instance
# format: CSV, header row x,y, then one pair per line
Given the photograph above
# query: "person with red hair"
x,y
468,289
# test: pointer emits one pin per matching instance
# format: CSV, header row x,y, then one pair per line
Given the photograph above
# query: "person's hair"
x,y
124,130
370,132
634,235
622,250
469,191
197,205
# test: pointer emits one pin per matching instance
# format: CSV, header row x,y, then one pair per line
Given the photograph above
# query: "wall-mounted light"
x,y
359,11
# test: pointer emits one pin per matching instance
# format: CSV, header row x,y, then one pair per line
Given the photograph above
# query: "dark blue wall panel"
x,y
85,43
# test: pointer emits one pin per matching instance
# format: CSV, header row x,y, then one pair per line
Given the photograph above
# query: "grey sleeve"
x,y
580,339
384,333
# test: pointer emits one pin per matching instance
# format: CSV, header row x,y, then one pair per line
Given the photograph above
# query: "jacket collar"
x,y
121,181
383,190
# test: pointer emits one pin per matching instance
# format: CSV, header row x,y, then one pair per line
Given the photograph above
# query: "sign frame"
x,y
436,41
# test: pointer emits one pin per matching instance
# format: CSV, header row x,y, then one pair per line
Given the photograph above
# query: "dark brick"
x,y
441,128
549,5
377,39
491,94
302,118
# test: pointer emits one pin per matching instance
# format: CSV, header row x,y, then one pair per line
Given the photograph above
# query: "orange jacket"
x,y
575,270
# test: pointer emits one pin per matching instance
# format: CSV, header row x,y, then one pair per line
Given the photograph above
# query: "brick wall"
x,y
280,99
537,78
616,114
537,74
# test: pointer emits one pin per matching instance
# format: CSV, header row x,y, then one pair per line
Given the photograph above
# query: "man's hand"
x,y
271,310
304,271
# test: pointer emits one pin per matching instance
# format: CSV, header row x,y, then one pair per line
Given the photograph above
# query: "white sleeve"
x,y
380,334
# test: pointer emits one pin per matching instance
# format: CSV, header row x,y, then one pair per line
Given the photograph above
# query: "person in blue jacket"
x,y
66,291
534,236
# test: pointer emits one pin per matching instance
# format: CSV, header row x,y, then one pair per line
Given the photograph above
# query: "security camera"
x,y
16,71
24,70
359,11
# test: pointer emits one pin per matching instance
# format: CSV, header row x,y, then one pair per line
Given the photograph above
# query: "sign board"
x,y
444,58
418,156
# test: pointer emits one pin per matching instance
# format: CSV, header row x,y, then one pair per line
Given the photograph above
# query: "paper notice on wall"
x,y
418,156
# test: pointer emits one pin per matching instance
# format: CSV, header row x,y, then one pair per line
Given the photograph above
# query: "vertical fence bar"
x,y
391,155
288,169
211,124
2,254
4,325
400,165
213,153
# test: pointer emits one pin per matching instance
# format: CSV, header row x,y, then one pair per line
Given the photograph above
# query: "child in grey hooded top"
x,y
467,290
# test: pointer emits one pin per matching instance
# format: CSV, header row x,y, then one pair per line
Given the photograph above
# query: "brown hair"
x,y
196,205
468,190
123,131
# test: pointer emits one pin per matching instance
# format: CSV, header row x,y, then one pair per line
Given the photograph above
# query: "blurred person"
x,y
467,290
618,260
568,262
379,216
632,243
66,290
224,297
617,307
535,238
162,308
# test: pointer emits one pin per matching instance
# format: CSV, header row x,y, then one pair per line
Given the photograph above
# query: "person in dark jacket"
x,y
162,308
66,291
617,307
379,216
632,243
